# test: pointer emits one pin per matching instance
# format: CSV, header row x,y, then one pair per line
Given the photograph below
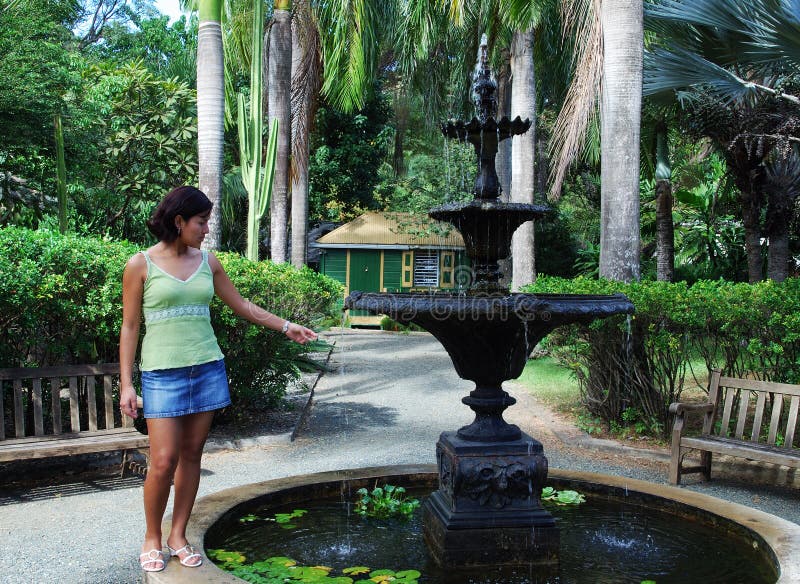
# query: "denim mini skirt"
x,y
169,393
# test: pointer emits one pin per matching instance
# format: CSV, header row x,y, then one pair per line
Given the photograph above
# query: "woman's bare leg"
x,y
194,431
165,441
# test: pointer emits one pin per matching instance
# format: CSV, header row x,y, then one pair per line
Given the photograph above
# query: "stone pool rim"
x,y
780,535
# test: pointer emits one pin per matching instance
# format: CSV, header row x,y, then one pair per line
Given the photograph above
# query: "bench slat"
x,y
109,401
756,385
731,447
759,416
744,403
19,413
91,403
777,406
85,435
74,405
726,412
792,423
59,371
68,446
38,422
55,397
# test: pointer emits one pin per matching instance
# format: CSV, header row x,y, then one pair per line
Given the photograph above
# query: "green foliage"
x,y
167,50
346,152
60,302
280,569
35,69
384,502
59,298
149,143
630,370
562,498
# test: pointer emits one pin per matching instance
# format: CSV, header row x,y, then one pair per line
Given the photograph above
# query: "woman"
x,y
182,368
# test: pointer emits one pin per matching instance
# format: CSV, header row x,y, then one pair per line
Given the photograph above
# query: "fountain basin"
x,y
779,539
490,336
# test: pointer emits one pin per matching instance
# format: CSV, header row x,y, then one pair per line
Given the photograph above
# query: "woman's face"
x,y
193,231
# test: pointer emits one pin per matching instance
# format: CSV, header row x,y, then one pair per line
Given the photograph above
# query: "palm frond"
x,y
676,69
306,82
351,47
579,107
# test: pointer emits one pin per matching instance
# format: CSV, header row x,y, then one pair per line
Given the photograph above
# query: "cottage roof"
x,y
393,230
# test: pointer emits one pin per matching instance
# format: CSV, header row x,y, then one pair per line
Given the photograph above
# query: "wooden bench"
x,y
61,411
745,408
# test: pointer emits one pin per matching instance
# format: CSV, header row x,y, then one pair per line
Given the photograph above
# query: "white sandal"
x,y
186,560
154,556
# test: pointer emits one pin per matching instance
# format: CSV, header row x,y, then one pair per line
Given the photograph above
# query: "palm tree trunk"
x,y
300,155
523,104
210,113
665,228
280,81
503,160
620,118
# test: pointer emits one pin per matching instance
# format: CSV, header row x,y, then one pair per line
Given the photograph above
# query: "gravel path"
x,y
389,399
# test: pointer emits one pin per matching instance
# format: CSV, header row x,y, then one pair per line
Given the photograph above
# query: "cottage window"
x,y
426,269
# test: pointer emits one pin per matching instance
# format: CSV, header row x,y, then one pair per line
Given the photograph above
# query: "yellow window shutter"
x,y
408,269
447,262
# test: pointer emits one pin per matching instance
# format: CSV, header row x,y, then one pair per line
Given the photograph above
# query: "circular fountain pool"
x,y
628,531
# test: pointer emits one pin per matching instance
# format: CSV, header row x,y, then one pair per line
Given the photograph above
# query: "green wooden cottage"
x,y
393,252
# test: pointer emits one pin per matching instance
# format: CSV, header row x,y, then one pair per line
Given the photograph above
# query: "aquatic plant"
x,y
384,502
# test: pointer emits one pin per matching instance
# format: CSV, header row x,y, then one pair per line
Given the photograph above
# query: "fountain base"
x,y
487,509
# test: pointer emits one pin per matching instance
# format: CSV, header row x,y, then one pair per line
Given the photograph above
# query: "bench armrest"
x,y
679,408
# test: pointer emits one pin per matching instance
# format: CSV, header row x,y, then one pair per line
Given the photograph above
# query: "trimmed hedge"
x,y
631,369
60,303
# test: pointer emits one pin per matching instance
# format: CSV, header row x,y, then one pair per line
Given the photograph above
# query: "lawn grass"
x,y
552,383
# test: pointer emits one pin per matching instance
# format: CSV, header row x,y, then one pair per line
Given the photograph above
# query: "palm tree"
x,y
608,43
210,111
523,152
306,83
280,82
620,122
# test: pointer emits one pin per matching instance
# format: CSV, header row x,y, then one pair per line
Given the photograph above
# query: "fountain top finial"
x,y
484,86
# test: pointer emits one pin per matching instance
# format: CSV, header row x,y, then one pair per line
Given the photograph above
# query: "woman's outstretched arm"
x,y
224,288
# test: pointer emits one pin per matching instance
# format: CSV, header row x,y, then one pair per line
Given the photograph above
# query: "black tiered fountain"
x,y
487,509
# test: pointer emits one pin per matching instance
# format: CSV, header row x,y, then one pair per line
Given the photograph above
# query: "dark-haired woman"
x,y
182,368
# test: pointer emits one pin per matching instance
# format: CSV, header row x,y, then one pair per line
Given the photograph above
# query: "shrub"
x,y
631,369
60,302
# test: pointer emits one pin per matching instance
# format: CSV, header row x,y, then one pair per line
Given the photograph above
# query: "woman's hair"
x,y
184,201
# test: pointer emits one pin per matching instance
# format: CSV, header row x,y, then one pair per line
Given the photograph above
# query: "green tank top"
x,y
178,329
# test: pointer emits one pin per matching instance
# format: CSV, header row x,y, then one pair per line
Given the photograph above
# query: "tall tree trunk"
x,y
620,119
280,81
503,160
749,177
665,228
523,104
300,152
211,113
782,188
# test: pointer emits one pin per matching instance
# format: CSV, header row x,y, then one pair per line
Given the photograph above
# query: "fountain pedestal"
x,y
487,510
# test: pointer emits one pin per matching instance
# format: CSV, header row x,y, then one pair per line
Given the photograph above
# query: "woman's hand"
x,y
127,401
300,334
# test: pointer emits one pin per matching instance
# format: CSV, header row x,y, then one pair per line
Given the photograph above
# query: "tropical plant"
x,y
733,66
256,177
149,127
384,502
